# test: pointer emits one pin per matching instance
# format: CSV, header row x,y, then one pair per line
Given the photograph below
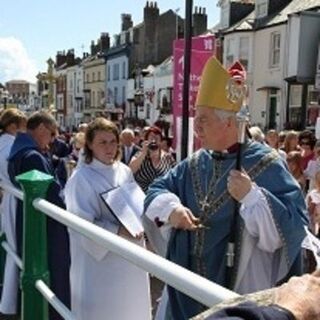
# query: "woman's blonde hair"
x,y
79,138
100,124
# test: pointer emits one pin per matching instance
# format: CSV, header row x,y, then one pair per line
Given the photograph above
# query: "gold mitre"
x,y
220,88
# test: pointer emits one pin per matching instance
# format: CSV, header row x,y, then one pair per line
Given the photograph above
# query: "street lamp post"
x,y
5,96
186,78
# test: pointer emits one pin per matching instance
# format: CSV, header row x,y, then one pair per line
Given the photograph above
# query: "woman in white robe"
x,y
103,285
11,122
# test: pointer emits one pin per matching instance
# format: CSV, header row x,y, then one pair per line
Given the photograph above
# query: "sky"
x,y
32,31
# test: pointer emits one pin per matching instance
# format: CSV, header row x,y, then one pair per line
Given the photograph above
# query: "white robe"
x,y
103,285
8,303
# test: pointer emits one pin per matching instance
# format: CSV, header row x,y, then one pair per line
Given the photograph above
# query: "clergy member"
x,y
197,197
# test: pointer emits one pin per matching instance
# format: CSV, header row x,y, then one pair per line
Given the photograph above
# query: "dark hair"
x,y
10,116
100,124
155,130
40,117
307,137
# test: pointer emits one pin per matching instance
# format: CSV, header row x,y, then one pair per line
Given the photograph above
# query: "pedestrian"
x,y
313,166
294,165
197,199
291,142
272,138
103,284
151,162
12,121
128,147
28,152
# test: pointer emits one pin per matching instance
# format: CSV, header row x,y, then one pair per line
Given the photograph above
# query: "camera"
x,y
153,146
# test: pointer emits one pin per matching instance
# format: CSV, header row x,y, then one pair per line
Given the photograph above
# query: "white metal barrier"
x,y
191,284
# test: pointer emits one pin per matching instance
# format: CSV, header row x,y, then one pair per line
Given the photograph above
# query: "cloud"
x,y
15,63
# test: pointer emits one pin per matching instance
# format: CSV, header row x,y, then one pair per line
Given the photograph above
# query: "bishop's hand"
x,y
239,184
182,218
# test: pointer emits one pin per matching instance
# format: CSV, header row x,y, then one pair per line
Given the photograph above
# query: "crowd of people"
x,y
301,153
242,229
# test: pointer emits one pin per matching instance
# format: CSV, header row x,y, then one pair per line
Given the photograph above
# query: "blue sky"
x,y
32,31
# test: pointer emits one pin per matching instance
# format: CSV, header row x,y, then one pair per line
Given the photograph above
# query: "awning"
x,y
265,88
299,80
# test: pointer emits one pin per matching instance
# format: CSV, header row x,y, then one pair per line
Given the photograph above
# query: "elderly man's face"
x,y
210,129
127,139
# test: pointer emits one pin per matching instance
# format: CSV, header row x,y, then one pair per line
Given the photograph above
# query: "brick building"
x,y
19,91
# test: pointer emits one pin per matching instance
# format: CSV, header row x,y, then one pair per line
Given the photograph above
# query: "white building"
x,y
75,96
156,91
117,74
270,43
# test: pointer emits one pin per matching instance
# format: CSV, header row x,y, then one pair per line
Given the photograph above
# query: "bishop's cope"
x,y
196,201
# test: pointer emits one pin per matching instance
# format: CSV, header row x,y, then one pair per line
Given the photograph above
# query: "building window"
x,y
93,77
313,105
244,51
148,113
99,76
109,73
123,70
261,8
88,78
115,71
123,94
115,95
275,50
295,96
93,99
230,52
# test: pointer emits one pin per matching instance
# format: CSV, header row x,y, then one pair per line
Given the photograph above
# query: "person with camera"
x,y
151,162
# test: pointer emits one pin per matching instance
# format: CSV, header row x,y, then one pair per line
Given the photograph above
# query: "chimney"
x,y
70,58
150,11
200,21
60,58
126,22
92,48
104,41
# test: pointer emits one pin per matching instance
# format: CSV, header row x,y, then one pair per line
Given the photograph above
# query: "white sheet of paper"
x,y
126,203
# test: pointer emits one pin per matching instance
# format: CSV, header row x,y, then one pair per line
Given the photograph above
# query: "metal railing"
x,y
35,186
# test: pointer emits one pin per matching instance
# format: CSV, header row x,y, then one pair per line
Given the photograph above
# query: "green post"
x,y
35,262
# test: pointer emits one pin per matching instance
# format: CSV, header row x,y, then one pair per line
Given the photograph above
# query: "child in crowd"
x,y
272,139
313,203
313,166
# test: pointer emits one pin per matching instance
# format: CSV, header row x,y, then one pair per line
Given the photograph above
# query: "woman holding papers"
x,y
103,285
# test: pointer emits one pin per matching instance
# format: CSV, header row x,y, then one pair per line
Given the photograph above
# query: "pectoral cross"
x,y
205,205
